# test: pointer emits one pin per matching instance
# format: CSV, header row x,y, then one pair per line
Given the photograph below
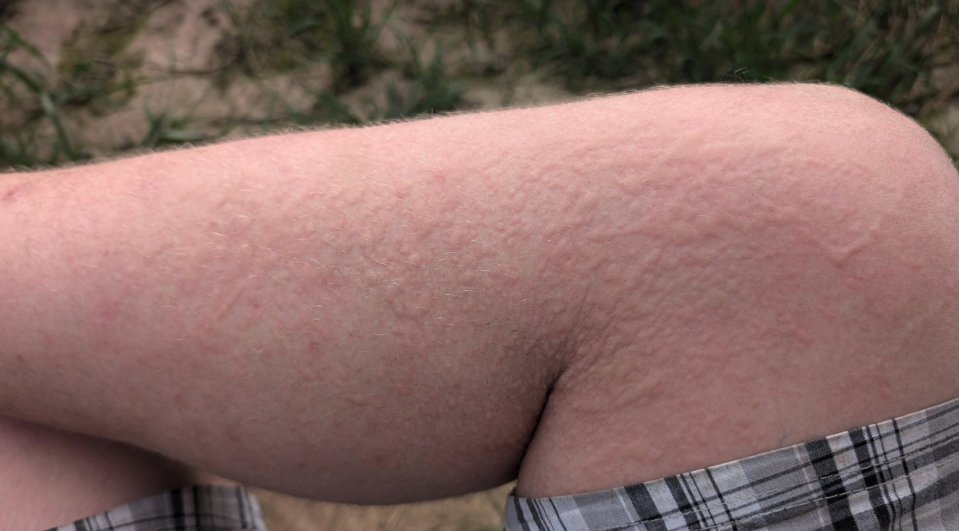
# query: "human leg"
x,y
380,315
805,283
795,271
51,477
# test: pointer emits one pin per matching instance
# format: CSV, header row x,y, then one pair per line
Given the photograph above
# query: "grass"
x,y
880,47
279,35
28,91
355,63
428,88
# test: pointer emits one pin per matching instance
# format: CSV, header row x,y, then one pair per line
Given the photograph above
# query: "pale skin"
x,y
581,296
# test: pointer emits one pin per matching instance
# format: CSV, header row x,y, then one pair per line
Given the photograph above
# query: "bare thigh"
x,y
51,477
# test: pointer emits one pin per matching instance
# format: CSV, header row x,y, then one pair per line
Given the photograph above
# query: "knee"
x,y
863,191
781,263
874,240
790,222
769,264
872,202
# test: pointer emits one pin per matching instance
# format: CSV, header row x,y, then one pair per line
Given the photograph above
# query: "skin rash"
x,y
583,296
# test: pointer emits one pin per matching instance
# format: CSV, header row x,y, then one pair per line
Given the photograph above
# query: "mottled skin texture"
x,y
585,295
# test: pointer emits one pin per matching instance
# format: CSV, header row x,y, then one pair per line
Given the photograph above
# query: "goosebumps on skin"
x,y
587,295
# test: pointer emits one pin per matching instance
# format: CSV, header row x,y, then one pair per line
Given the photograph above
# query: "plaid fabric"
x,y
198,508
897,475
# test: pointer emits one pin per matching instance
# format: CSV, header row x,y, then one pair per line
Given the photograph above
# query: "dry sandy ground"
x,y
176,47
181,36
482,511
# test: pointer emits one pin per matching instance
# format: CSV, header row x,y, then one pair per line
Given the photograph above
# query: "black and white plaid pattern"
x,y
897,475
198,508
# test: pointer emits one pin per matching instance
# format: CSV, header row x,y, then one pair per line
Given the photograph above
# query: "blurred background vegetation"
x,y
128,75
82,79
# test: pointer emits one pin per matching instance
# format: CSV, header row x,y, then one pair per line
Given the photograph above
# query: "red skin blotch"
x,y
10,194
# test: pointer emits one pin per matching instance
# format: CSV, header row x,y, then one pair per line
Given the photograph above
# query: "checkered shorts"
x,y
901,474
199,508
897,475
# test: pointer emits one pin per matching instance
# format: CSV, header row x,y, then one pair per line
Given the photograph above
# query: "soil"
x,y
174,54
477,512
